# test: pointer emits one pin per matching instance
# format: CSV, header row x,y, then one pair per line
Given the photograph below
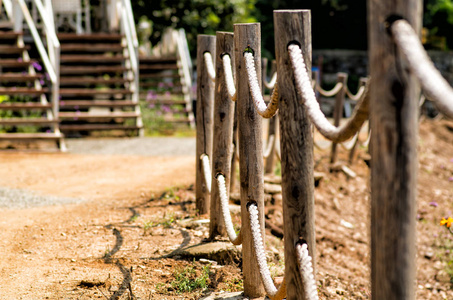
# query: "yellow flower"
x,y
446,222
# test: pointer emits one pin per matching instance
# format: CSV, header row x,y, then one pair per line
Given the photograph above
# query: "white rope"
x,y
348,145
337,88
434,85
422,100
209,65
206,171
224,204
258,244
357,96
306,272
270,85
335,134
229,80
263,110
270,145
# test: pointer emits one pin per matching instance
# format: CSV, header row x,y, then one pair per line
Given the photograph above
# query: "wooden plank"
x,y
159,67
9,49
152,60
30,136
6,35
24,106
95,103
77,80
15,63
250,153
158,76
20,90
71,70
97,127
296,147
338,111
222,135
167,102
91,48
394,93
27,121
19,77
205,106
89,92
92,58
90,116
90,37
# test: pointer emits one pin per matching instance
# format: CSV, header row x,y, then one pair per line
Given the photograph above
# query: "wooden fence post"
x,y
338,111
269,167
352,155
250,152
205,104
394,127
296,146
223,132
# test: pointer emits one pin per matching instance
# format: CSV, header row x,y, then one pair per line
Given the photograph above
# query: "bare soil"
x,y
117,241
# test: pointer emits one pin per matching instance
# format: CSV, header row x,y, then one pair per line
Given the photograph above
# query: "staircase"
x,y
97,87
26,110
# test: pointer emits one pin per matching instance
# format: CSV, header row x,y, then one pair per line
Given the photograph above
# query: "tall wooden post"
x,y
205,105
296,146
352,155
250,152
394,113
338,111
223,132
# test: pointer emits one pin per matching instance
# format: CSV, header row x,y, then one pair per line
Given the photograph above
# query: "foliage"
x,y
187,280
438,19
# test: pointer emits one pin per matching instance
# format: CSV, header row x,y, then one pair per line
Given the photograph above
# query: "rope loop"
x,y
209,65
206,171
261,107
270,85
235,239
331,132
435,87
336,89
306,271
229,80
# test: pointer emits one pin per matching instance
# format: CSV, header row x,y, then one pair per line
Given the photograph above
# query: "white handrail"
x,y
130,43
50,29
8,4
182,52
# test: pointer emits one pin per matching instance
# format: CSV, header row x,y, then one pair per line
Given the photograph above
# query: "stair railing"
x,y
8,5
51,56
128,27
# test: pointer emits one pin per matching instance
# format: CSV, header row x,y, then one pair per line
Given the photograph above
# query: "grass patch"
x,y
188,279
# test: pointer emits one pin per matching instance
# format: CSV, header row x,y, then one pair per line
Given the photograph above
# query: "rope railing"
x,y
433,84
355,97
266,278
270,144
229,80
336,89
266,111
306,271
270,85
209,65
335,134
236,239
206,171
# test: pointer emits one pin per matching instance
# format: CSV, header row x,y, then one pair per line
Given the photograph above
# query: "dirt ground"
x,y
114,242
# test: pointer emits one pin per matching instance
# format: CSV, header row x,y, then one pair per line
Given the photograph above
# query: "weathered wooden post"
x,y
294,26
338,111
223,132
394,114
248,36
269,167
352,155
205,105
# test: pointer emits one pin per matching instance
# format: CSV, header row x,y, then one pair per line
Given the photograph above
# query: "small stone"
x,y
428,286
346,224
63,234
205,261
340,292
429,254
73,260
443,276
198,233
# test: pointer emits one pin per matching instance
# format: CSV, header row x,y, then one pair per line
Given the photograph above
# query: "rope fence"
x,y
294,148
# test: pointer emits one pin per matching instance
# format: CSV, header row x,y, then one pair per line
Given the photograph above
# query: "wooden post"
x,y
394,112
352,155
338,111
296,146
273,124
234,157
205,105
223,132
250,152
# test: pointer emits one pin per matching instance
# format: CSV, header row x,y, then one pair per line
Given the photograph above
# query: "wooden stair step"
x,y
24,106
160,84
96,103
153,60
166,102
91,70
17,77
90,37
6,35
158,76
6,24
91,47
88,116
88,92
31,136
27,121
92,80
171,119
19,91
15,63
97,127
8,49
92,58
159,67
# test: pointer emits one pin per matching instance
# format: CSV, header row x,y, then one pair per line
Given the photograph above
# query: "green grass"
x,y
188,280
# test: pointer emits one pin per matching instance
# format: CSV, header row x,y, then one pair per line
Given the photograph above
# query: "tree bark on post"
x,y
338,111
250,152
296,146
205,105
352,155
223,132
394,127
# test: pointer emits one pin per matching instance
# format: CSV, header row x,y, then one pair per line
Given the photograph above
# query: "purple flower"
x,y
450,178
37,66
151,95
433,203
76,107
20,59
49,131
170,84
166,108
47,76
160,84
41,81
61,102
151,105
167,94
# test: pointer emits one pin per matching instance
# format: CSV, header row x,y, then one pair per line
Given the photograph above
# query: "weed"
x,y
187,280
235,284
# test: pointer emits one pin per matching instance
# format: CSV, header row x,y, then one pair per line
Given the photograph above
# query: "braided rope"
x,y
357,96
434,85
270,144
229,80
336,89
335,134
270,85
235,239
306,272
209,65
206,171
266,278
263,110
348,145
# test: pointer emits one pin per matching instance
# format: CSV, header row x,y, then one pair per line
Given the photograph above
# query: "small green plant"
x,y
235,284
187,280
447,247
